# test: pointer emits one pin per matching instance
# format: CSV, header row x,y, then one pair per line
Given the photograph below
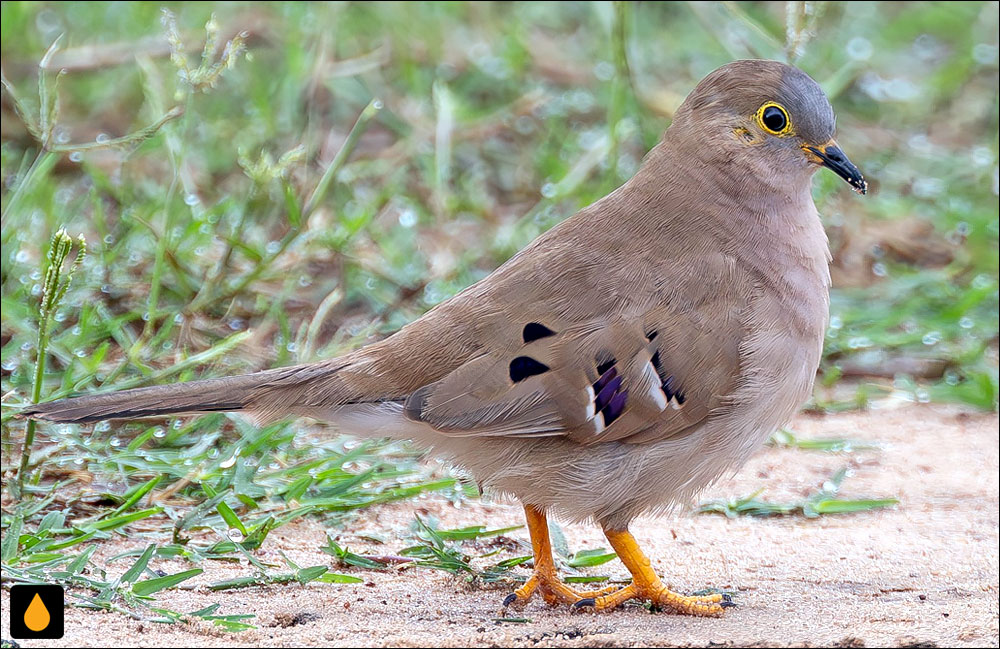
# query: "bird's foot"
x,y
545,581
646,585
659,596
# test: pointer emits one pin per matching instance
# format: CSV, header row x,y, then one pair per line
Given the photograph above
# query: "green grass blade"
x,y
150,586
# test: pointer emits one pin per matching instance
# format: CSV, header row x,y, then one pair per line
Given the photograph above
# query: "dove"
x,y
630,356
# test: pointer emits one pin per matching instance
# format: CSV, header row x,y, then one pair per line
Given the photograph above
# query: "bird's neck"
x,y
768,225
734,198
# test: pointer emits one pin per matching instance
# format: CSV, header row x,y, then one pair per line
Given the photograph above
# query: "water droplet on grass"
x,y
859,48
859,342
982,156
408,218
985,53
981,281
604,71
928,187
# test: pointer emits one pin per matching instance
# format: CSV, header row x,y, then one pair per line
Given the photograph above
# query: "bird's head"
x,y
768,114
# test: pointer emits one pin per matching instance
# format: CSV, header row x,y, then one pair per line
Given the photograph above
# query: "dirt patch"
x,y
922,574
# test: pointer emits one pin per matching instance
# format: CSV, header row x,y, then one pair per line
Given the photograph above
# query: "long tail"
x,y
266,394
361,393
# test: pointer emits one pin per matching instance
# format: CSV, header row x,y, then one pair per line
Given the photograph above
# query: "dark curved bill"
x,y
834,159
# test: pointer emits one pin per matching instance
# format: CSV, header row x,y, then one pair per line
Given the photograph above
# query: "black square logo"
x,y
36,611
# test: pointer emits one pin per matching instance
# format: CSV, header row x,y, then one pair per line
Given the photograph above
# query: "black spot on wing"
x,y
535,330
603,367
523,367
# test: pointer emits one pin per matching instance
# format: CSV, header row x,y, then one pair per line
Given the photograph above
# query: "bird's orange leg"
x,y
647,586
545,579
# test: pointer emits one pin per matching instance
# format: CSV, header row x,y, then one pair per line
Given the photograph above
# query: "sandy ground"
x,y
924,573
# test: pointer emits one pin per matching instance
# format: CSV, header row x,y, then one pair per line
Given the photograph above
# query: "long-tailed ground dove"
x,y
623,360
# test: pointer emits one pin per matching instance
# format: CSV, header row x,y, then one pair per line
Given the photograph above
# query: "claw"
x,y
645,586
544,580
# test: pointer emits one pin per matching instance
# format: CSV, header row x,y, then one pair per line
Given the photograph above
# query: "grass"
x,y
297,179
785,438
821,501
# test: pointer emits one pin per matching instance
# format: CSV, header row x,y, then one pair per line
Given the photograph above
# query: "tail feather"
x,y
229,394
322,390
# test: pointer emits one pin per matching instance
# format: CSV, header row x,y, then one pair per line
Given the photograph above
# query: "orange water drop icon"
x,y
37,616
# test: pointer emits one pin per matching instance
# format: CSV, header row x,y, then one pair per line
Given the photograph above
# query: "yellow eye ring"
x,y
773,118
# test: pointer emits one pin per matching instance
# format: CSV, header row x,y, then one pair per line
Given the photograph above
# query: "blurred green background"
x,y
442,137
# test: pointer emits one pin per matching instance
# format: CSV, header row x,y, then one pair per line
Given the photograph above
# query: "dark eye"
x,y
774,119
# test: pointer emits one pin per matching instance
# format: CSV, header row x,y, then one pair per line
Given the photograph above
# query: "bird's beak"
x,y
829,155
